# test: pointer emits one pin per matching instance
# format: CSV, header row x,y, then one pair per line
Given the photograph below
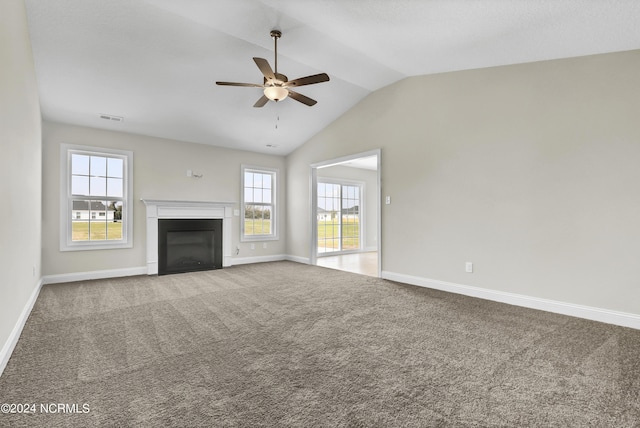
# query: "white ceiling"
x,y
155,62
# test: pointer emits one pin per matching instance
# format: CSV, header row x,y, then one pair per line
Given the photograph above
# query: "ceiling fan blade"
x,y
265,68
261,102
301,98
309,80
252,85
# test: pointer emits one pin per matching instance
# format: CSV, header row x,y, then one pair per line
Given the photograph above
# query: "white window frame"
x,y
66,199
274,203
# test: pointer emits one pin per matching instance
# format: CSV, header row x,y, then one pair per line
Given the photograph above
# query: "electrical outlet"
x,y
387,200
468,267
264,245
253,246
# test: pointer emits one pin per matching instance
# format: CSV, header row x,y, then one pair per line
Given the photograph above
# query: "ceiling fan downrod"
x,y
275,34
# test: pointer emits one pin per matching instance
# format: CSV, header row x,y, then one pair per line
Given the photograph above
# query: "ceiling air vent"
x,y
113,118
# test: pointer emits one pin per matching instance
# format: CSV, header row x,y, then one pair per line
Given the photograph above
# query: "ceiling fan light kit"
x,y
275,85
276,93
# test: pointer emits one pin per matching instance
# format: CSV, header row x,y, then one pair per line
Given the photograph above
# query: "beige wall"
x,y
529,171
20,165
370,213
160,168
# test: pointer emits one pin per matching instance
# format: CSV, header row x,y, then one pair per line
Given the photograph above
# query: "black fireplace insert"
x,y
188,245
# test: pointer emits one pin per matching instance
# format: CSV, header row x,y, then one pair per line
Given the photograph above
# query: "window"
x,y
258,204
96,192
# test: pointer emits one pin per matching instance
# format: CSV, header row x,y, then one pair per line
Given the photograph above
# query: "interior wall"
x,y
370,213
20,165
159,172
529,171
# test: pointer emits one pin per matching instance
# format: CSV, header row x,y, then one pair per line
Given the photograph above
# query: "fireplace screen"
x,y
187,245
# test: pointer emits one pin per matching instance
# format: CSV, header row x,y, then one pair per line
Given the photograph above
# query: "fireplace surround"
x,y
158,209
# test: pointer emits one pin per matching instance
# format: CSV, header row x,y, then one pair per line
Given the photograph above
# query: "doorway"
x,y
346,213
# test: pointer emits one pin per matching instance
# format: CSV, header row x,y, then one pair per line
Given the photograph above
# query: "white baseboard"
x,y
303,260
623,319
96,274
12,340
257,259
274,258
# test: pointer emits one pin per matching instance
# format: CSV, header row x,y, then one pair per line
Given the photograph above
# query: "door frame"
x,y
313,191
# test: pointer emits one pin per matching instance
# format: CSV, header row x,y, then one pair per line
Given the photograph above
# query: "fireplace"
x,y
159,210
189,245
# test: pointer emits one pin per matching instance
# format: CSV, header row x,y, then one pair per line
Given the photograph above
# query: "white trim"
x,y
343,159
313,203
96,274
257,259
275,176
161,209
297,259
12,340
623,319
66,242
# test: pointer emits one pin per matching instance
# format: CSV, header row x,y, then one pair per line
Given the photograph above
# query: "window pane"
x,y
267,181
98,229
257,180
266,196
248,179
114,187
79,164
248,211
115,168
248,195
98,166
114,221
257,195
98,186
80,221
79,185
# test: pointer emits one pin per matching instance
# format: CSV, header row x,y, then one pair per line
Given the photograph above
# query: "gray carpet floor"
x,y
289,345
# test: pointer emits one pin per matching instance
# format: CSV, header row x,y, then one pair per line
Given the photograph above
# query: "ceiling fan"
x,y
276,86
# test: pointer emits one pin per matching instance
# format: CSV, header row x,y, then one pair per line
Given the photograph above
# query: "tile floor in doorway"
x,y
362,263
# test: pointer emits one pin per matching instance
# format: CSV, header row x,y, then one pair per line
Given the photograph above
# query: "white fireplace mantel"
x,y
160,209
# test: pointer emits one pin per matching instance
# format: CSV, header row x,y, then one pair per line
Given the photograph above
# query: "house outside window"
x,y
258,206
96,210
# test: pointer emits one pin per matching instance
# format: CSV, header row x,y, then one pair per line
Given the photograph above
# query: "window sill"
x,y
95,246
258,238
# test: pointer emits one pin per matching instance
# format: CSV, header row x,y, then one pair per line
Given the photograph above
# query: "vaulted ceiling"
x,y
155,62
